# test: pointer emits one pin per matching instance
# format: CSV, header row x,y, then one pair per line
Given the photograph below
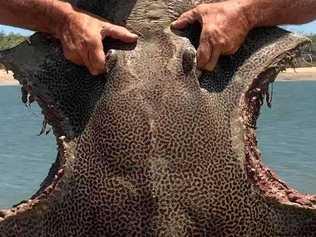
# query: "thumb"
x,y
185,19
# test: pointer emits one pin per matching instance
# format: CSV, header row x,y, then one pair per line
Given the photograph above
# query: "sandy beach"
x,y
298,74
6,79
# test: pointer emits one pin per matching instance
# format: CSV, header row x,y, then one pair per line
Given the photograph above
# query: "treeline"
x,y
313,38
309,57
10,40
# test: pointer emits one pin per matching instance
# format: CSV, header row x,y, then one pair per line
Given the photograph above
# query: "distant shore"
x,y
6,79
298,74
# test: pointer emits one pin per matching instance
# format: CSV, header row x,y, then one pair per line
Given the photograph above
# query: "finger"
x,y
216,52
84,54
120,33
69,50
185,19
73,57
93,55
204,51
96,58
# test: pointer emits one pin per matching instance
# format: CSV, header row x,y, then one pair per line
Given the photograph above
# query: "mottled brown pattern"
x,y
155,147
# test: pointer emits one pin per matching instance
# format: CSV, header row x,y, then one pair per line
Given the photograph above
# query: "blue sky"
x,y
306,29
8,29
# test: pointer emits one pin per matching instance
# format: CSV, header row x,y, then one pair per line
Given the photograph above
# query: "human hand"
x,y
81,36
224,28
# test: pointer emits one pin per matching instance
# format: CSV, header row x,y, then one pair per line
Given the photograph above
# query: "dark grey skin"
x,y
155,147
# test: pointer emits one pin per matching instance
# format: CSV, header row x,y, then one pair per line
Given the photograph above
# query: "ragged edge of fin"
x,y
266,182
25,62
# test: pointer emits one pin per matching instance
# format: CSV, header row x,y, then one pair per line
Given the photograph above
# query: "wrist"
x,y
58,12
250,12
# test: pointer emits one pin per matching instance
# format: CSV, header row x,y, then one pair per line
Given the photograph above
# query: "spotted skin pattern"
x,y
154,147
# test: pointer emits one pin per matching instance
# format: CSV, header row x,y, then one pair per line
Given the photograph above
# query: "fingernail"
x,y
134,36
94,72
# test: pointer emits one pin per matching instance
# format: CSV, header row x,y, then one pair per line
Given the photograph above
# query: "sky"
x,y
305,29
8,29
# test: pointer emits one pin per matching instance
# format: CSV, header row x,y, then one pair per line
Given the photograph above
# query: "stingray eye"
x,y
111,59
188,60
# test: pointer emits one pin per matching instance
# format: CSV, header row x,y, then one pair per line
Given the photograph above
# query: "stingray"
x,y
155,147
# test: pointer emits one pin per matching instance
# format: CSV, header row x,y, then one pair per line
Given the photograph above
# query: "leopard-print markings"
x,y
158,150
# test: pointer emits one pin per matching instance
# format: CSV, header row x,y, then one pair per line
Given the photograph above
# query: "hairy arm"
x,y
226,24
272,12
80,33
39,15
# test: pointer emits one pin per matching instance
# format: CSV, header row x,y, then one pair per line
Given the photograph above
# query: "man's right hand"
x,y
81,35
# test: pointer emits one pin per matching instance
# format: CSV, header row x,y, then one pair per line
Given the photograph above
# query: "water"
x,y
286,137
25,157
287,134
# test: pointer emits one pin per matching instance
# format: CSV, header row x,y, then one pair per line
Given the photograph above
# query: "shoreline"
x,y
9,83
298,74
7,79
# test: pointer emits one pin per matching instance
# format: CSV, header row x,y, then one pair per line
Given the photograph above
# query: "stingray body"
x,y
154,147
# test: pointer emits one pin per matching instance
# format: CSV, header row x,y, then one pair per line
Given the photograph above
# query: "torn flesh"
x,y
56,172
269,184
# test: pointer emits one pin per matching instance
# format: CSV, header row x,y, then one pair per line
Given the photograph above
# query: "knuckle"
x,y
204,37
207,36
184,16
222,43
93,44
193,13
105,26
228,51
111,29
232,50
200,8
209,31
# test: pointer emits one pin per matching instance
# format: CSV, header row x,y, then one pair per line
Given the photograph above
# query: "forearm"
x,y
39,15
278,12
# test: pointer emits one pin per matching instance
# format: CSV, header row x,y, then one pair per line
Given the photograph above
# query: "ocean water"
x,y
286,136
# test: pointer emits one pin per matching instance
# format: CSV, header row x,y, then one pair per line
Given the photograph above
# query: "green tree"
x,y
10,40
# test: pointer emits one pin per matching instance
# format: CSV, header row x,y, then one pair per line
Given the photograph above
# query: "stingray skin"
x,y
155,147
